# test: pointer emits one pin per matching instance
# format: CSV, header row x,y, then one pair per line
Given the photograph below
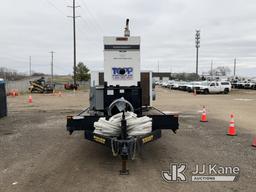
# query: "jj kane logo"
x,y
210,172
176,172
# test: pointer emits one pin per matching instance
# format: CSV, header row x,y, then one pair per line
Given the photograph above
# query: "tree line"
x,y
10,74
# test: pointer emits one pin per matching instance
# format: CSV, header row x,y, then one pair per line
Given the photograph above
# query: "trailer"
x,y
121,116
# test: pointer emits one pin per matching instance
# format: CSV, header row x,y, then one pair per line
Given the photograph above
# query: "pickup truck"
x,y
193,85
249,85
215,87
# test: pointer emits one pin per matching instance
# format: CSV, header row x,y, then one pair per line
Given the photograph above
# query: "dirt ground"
x,y
37,154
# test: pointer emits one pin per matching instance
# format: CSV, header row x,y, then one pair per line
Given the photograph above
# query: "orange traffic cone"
x,y
254,142
13,93
203,116
232,129
16,92
30,99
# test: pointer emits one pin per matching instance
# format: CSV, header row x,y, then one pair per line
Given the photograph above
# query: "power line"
x,y
96,23
88,25
54,6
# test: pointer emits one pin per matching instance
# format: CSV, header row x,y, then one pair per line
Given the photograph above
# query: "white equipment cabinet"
x,y
122,60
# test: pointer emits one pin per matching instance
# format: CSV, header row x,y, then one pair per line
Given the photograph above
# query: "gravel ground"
x,y
37,154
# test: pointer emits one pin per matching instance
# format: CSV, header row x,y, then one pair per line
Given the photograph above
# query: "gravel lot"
x,y
37,154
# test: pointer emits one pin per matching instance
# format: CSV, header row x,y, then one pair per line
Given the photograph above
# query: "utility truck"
x,y
214,87
120,115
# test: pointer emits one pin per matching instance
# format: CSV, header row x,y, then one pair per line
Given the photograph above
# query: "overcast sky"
x,y
167,30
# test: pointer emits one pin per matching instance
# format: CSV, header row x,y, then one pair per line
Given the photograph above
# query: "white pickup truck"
x,y
215,87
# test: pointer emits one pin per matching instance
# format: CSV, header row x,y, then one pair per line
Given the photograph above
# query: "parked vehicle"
x,y
215,87
182,86
165,84
193,85
249,85
157,83
234,83
70,86
176,85
171,84
241,84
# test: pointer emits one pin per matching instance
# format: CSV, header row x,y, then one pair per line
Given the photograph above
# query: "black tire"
x,y
206,91
226,91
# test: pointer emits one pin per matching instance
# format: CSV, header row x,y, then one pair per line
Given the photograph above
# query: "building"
x,y
161,76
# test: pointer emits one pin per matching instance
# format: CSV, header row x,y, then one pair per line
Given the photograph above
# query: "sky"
x,y
167,29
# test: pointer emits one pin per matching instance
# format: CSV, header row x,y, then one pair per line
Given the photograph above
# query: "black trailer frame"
x,y
124,146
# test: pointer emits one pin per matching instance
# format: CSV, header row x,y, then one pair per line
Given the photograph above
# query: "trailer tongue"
x,y
120,116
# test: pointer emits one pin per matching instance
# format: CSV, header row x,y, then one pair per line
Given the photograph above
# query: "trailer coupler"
x,y
126,149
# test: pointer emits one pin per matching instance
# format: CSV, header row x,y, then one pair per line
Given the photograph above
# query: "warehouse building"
x,y
161,76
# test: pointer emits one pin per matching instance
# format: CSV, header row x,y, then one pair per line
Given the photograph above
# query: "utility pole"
x,y
74,35
234,67
52,66
197,40
30,73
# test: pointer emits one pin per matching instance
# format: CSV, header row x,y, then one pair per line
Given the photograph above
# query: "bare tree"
x,y
10,74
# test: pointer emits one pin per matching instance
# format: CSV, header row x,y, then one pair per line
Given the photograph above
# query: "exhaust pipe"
x,y
126,29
